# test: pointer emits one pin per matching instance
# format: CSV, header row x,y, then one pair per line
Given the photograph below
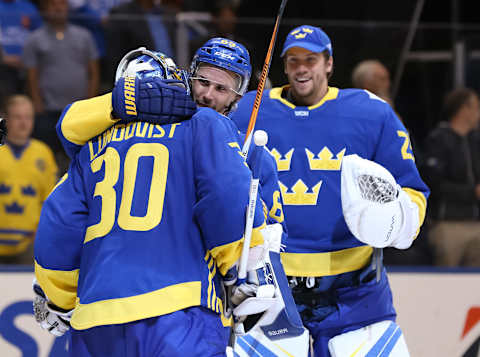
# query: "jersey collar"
x,y
276,93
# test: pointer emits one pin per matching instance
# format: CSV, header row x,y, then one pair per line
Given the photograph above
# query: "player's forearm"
x,y
86,119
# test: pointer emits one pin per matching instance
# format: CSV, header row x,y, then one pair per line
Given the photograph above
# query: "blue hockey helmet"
x,y
226,54
144,63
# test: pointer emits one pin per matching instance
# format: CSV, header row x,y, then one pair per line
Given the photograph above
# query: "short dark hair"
x,y
327,56
455,100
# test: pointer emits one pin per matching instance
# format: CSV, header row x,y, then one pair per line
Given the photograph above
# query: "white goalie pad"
x,y
383,338
377,211
278,331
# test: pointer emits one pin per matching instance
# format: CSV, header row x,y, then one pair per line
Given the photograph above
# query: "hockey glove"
x,y
3,131
50,317
256,294
153,100
377,211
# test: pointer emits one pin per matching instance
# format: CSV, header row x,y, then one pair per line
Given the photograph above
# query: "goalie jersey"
x,y
308,144
87,118
145,220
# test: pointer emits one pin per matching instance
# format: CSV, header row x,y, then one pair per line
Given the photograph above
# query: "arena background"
x,y
439,310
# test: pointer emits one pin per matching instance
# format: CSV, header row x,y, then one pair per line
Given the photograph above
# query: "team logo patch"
x,y
40,164
302,113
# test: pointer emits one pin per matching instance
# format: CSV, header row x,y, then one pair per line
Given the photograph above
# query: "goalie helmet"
x,y
226,54
144,63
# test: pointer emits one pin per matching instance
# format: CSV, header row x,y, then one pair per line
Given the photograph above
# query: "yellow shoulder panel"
x,y
87,118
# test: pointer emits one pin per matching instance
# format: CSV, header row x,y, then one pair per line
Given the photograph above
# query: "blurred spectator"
x,y
373,76
92,15
99,7
224,23
138,23
62,65
452,170
17,19
27,174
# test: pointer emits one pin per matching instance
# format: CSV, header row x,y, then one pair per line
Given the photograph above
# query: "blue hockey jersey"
x,y
309,144
144,220
85,119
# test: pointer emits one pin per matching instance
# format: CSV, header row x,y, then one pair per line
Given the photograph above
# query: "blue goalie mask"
x,y
225,54
143,63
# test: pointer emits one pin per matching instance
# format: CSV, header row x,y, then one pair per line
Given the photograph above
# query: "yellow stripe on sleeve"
x,y
419,199
226,255
87,118
60,286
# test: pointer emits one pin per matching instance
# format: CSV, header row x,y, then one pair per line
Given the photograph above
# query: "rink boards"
x,y
438,311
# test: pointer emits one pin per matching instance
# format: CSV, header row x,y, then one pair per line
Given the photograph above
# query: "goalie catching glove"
x,y
377,211
256,293
151,99
50,317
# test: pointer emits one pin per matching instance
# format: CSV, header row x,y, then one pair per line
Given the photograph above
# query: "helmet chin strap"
x,y
230,107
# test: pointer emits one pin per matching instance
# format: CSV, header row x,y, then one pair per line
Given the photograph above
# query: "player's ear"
x,y
330,64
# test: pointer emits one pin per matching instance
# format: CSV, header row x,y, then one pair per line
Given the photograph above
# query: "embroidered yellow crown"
x,y
282,164
299,195
325,160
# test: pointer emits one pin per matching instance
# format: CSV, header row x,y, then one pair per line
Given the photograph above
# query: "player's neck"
x,y
304,101
17,141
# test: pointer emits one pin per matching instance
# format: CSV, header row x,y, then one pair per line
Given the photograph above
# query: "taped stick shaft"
x,y
261,139
261,83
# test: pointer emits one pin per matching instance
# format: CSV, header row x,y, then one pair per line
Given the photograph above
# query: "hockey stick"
x,y
242,270
261,83
275,327
260,140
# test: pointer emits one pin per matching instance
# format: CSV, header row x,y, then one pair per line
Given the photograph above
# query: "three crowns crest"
x,y
299,194
299,35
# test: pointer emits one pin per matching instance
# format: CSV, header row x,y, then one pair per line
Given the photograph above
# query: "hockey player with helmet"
x,y
214,91
212,64
349,184
128,246
220,74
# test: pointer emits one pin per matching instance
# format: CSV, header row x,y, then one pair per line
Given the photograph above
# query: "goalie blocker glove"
x,y
50,317
377,211
151,99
